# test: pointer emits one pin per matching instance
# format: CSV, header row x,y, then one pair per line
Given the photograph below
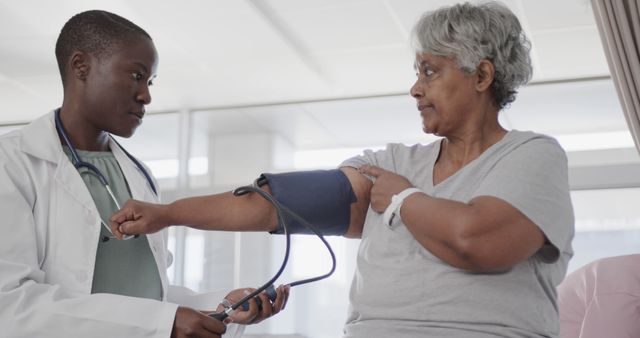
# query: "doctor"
x,y
61,272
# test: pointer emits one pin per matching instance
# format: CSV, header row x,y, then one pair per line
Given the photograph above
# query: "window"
x,y
607,224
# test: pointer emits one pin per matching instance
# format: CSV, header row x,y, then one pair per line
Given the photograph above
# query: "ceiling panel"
x,y
310,5
246,81
347,25
24,56
554,14
27,98
409,11
14,22
569,54
351,73
45,87
20,103
252,64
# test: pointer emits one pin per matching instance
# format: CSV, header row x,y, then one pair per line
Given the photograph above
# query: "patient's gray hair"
x,y
469,33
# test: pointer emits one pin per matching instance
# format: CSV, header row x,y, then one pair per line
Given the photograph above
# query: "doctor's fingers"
x,y
191,323
269,308
259,313
241,316
282,296
249,316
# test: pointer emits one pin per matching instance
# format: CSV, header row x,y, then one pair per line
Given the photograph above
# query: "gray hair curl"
x,y
469,33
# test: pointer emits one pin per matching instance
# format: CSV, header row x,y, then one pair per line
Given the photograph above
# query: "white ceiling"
x,y
309,70
239,52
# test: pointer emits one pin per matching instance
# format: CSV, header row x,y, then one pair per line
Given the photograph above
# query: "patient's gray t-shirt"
x,y
402,290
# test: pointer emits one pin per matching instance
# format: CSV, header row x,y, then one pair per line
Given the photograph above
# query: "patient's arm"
x,y
226,212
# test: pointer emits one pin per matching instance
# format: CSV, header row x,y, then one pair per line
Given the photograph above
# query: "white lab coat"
x,y
48,240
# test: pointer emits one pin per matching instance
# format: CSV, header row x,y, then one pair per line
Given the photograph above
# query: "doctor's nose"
x,y
144,95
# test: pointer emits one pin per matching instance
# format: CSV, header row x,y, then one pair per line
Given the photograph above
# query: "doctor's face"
x,y
117,87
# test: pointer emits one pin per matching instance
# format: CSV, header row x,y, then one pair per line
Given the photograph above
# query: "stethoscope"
x,y
79,163
268,286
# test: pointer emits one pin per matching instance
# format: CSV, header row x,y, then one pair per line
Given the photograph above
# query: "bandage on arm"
x,y
321,197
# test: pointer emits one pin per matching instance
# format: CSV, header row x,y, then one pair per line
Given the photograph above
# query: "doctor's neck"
x,y
83,134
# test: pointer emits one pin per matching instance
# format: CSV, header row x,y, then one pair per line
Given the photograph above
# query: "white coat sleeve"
x,y
33,308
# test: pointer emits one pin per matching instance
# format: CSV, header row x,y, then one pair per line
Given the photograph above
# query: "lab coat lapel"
x,y
74,219
75,224
40,139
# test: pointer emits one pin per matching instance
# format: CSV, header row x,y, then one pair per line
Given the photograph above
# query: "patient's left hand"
x,y
386,184
254,314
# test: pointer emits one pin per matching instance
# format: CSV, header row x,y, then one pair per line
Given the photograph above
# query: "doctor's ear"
x,y
79,63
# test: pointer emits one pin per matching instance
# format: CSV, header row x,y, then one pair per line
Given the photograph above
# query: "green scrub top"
x,y
123,267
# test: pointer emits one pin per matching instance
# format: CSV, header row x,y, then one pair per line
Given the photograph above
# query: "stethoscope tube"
x,y
280,209
78,164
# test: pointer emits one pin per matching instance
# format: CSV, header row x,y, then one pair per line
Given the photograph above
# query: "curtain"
x,y
619,25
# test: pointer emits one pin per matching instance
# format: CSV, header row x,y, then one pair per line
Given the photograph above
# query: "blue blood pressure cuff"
x,y
321,197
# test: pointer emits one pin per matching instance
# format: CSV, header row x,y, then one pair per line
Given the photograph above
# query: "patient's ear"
x,y
485,73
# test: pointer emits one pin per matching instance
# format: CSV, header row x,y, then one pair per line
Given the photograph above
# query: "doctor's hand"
x,y
136,217
386,185
255,313
191,323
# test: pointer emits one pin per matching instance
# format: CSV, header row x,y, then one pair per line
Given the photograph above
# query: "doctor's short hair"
x,y
469,33
94,32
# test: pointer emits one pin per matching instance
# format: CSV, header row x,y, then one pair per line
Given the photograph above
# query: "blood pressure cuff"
x,y
321,197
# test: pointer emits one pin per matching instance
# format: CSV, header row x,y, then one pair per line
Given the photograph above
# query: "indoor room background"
x,y
252,86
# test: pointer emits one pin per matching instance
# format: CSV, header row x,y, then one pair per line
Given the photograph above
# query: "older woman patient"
x,y
465,237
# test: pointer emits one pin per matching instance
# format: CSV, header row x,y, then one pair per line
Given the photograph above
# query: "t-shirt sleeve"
x,y
533,178
380,158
